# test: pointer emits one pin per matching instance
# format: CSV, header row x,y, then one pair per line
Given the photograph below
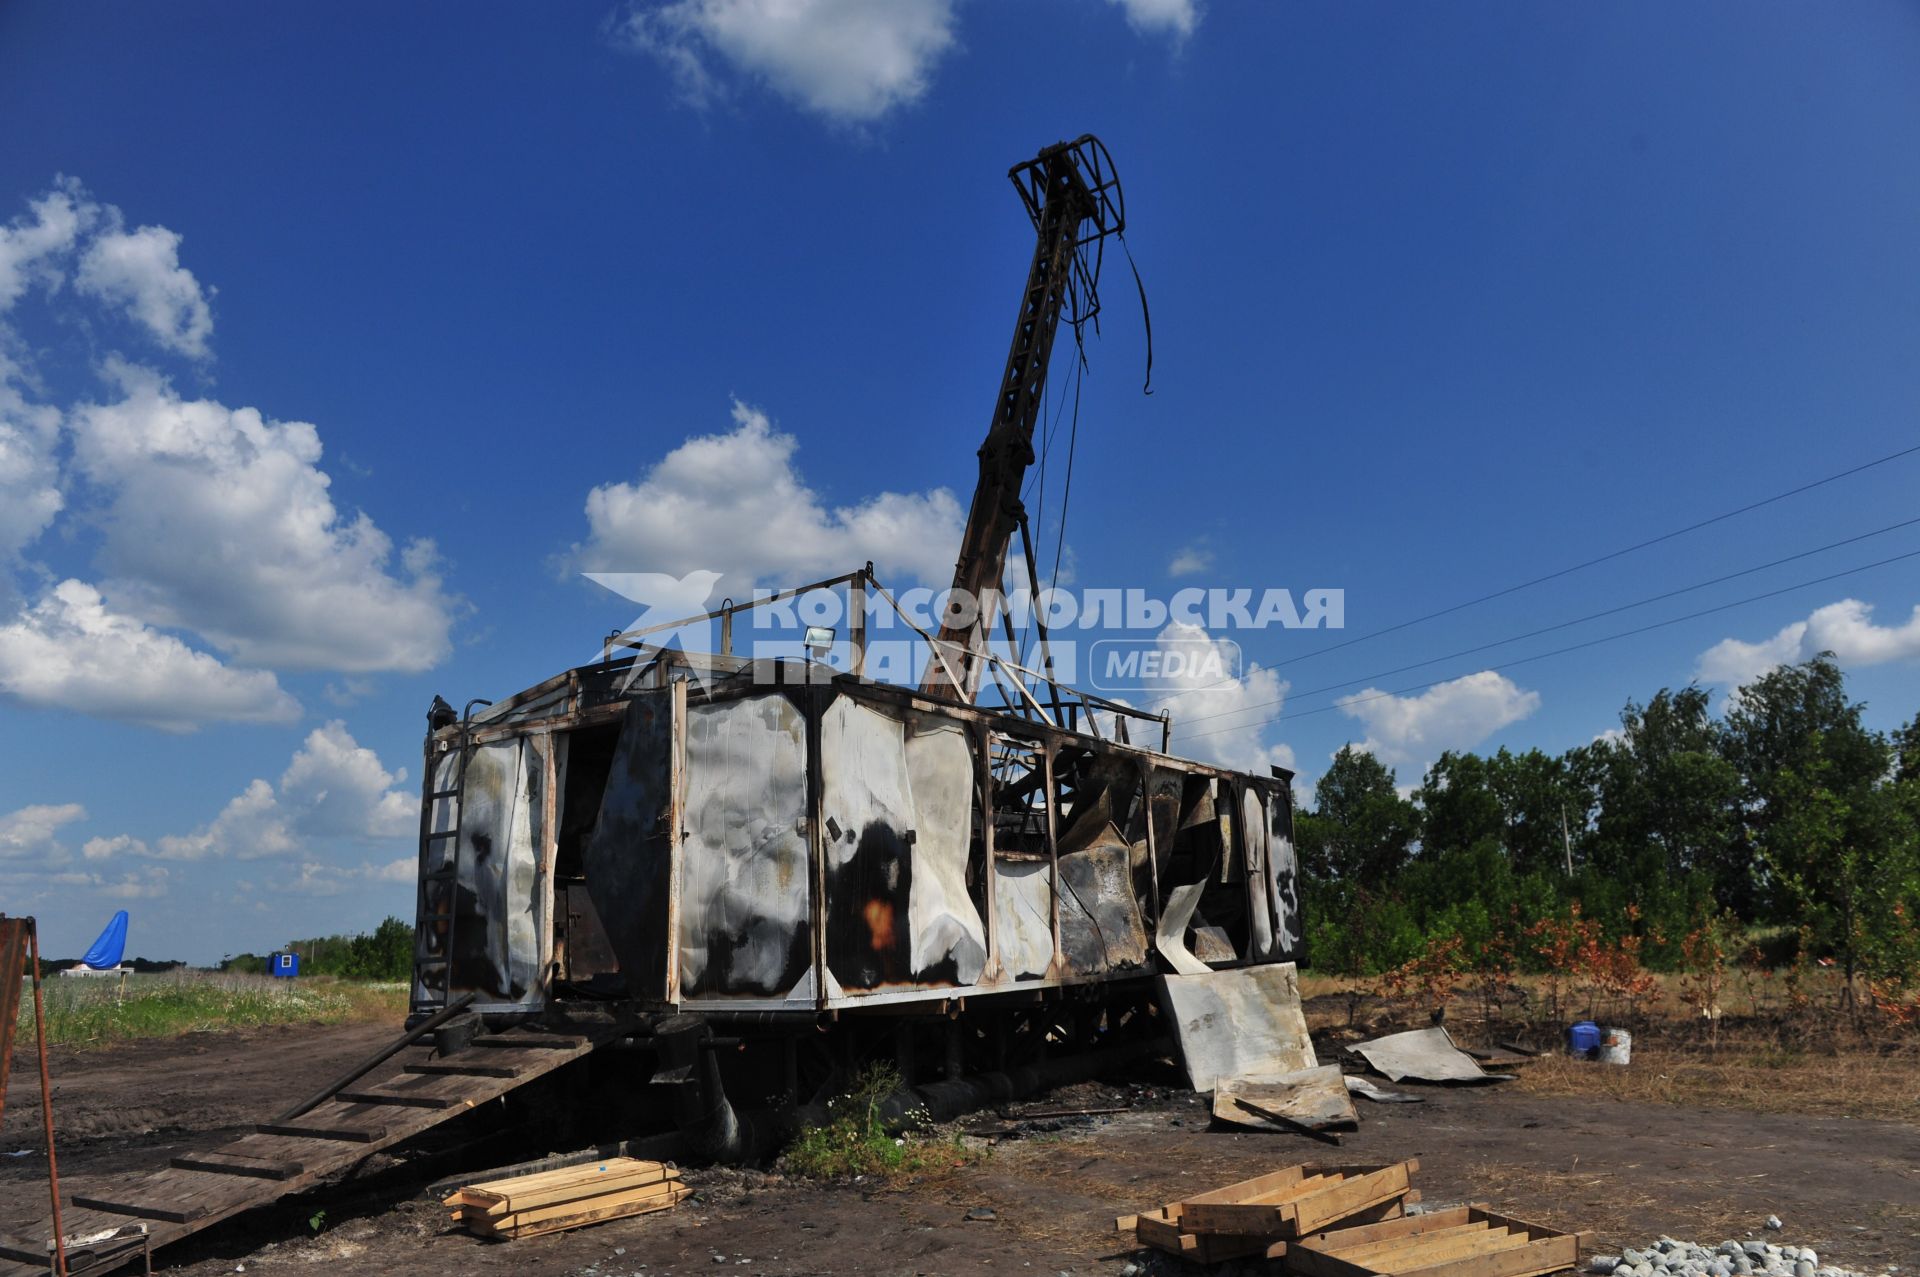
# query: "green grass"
x,y
857,1141
95,1011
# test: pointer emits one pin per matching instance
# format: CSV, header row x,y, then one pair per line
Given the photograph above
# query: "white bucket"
x,y
1616,1046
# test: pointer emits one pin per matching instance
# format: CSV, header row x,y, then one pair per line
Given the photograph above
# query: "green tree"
x,y
1795,739
1361,829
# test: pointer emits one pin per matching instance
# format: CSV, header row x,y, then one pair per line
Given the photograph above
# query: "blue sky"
x,y
322,326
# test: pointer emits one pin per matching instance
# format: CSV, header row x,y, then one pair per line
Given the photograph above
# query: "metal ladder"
x,y
439,888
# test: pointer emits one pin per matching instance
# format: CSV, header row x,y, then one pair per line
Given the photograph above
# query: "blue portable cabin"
x,y
284,966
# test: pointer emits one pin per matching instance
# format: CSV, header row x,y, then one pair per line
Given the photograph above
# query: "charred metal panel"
x,y
498,904
897,807
744,880
1101,931
584,951
940,778
628,859
1290,929
1023,917
1254,836
437,894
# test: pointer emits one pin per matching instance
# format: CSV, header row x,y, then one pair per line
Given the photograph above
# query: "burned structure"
x,y
738,879
717,839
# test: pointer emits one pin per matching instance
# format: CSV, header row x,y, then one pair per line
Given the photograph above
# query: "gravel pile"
x,y
1670,1258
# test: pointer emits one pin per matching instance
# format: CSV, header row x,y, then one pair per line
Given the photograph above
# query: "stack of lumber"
x,y
552,1201
1466,1241
1351,1221
1259,1217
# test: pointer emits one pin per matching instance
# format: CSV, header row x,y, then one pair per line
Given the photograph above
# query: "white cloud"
x,y
140,270
108,848
1176,18
316,878
849,60
219,521
1190,560
1845,628
31,249
735,504
1459,714
338,787
69,651
30,490
333,788
28,835
1221,721
148,882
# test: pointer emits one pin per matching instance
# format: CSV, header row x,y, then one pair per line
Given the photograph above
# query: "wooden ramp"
x,y
109,1226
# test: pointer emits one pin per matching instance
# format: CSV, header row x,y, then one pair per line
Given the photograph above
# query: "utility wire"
x,y
1560,651
1577,567
1561,625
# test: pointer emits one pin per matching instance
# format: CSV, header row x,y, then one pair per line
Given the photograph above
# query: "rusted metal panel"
x,y
628,857
13,965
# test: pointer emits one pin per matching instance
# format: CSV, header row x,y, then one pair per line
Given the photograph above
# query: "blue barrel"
x,y
1583,1038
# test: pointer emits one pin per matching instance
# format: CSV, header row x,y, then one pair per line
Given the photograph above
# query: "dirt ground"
x,y
1630,1171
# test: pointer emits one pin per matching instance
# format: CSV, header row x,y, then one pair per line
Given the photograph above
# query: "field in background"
x,y
97,1011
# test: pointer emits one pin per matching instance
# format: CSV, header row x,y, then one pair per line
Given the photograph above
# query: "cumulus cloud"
x,y
317,878
333,788
1220,719
1404,730
70,651
27,836
1190,560
1845,628
851,61
108,848
736,504
219,520
216,523
1176,18
32,247
137,271
140,271
30,490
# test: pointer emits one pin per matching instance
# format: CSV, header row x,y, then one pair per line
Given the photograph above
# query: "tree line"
x,y
1784,826
385,954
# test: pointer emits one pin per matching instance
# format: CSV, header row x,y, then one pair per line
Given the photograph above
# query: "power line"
x,y
1561,625
1577,567
1560,651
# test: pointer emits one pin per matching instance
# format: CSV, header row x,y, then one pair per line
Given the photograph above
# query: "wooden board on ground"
x,y
1297,1200
1162,1231
1465,1241
1315,1098
569,1197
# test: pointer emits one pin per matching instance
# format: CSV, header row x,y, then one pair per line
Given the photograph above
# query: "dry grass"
x,y
1755,1078
1768,1059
